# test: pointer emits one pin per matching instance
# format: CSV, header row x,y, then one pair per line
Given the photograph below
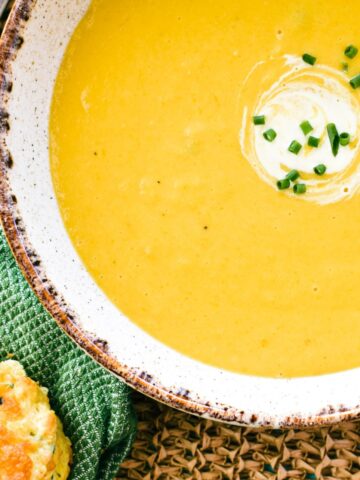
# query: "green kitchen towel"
x,y
93,405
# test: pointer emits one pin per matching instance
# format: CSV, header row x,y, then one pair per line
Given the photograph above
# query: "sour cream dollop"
x,y
288,91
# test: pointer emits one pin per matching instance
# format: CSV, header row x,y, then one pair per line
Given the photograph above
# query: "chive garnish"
x,y
333,138
344,139
306,127
309,59
351,51
345,66
295,147
355,81
293,175
283,184
320,169
313,141
259,120
270,135
299,188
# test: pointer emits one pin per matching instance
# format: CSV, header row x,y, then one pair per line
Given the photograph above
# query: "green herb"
x,y
313,141
334,138
345,66
283,184
344,139
306,127
293,175
270,135
299,188
351,51
295,147
320,169
259,120
355,81
309,59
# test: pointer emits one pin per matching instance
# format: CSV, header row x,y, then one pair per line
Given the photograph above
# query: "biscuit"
x,y
33,445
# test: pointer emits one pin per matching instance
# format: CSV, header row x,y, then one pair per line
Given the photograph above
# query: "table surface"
x,y
175,445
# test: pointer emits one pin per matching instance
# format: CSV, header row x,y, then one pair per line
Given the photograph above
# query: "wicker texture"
x,y
175,445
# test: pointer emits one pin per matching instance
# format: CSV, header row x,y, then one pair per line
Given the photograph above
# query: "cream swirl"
x,y
300,92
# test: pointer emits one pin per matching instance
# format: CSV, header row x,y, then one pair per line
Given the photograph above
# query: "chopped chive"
x,y
306,127
299,188
295,147
309,59
355,81
320,169
333,138
344,139
293,175
283,184
351,51
313,141
270,135
345,66
259,120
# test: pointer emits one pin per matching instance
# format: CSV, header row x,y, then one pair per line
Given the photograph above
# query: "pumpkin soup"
x,y
205,157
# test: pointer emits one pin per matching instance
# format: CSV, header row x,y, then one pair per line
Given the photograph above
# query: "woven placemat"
x,y
175,445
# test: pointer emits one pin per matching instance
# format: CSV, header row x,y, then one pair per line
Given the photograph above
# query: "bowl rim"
x,y
10,43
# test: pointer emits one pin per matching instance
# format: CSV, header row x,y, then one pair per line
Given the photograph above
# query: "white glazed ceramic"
x,y
32,48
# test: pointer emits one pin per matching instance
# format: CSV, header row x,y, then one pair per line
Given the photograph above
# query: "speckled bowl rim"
x,y
10,44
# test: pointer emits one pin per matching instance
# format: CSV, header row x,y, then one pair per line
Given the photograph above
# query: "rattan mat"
x,y
176,445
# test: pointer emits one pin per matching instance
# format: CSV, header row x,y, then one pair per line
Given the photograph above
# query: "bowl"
x,y
32,47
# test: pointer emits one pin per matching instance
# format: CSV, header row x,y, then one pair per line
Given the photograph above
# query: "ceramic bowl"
x,y
32,48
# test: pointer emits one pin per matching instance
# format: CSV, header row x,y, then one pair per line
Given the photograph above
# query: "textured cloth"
x,y
93,405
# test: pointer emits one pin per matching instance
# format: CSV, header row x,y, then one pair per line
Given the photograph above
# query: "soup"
x,y
169,188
